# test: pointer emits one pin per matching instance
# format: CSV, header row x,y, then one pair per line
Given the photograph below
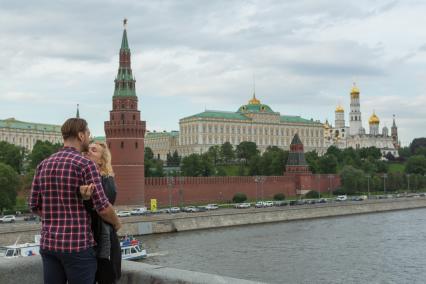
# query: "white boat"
x,y
131,249
21,250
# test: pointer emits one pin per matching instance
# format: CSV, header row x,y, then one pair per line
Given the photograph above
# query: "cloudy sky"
x,y
189,56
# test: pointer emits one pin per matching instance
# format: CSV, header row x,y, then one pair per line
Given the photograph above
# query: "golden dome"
x,y
374,119
254,101
339,108
354,91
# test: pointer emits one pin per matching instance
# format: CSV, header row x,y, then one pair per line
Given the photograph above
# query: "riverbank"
x,y
156,224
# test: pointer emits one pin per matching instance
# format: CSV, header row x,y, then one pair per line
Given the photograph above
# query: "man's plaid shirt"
x,y
56,194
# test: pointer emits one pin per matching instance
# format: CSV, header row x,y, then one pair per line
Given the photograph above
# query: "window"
x,y
122,116
122,144
134,117
136,145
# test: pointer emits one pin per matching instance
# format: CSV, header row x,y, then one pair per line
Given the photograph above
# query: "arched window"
x,y
134,117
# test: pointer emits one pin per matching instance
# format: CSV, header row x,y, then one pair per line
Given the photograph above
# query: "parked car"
x,y
259,204
322,200
269,203
242,205
174,210
31,217
139,211
190,209
211,207
342,198
124,213
7,219
280,203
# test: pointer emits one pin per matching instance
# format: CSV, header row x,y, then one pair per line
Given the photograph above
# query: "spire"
x,y
77,115
125,82
254,101
124,42
393,124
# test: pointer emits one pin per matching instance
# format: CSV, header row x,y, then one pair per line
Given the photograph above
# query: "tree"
x,y
42,150
173,160
417,143
312,159
247,150
404,153
272,161
214,154
149,155
12,155
333,150
279,196
352,179
328,164
227,152
416,165
207,166
239,197
312,194
9,185
197,165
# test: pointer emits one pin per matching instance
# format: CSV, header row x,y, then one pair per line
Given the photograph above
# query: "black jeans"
x,y
76,268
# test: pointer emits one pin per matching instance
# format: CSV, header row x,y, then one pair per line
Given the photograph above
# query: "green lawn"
x,y
396,168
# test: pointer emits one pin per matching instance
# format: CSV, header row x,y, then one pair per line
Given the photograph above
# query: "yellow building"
x,y
26,134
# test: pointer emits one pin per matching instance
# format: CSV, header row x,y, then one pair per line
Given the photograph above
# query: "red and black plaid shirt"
x,y
56,194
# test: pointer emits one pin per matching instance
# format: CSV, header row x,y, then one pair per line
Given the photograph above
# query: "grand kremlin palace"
x,y
255,122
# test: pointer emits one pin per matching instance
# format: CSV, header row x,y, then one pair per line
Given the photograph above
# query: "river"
x,y
371,248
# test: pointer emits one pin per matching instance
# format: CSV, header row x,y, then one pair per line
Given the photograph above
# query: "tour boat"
x,y
21,250
131,249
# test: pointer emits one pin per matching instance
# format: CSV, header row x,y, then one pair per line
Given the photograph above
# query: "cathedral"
x,y
355,135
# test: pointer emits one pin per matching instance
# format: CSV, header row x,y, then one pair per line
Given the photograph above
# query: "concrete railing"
x,y
30,270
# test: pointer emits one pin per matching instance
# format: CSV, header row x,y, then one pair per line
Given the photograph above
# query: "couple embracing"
x,y
73,191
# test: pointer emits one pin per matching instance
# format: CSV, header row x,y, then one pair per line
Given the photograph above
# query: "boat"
x,y
131,249
21,250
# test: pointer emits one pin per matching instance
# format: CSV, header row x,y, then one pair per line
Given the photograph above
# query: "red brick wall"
x,y
193,190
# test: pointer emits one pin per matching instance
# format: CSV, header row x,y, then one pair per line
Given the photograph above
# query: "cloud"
x,y
187,57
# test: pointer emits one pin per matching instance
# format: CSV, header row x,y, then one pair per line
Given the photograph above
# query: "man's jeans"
x,y
76,268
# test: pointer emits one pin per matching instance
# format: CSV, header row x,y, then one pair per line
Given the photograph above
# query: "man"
x,y
66,244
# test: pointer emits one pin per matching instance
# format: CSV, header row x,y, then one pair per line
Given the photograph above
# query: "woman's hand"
x,y
86,191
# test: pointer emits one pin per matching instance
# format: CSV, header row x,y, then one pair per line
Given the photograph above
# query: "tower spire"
x,y
124,42
77,115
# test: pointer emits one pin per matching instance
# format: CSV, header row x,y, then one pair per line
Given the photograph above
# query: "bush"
x,y
339,191
312,194
279,196
239,197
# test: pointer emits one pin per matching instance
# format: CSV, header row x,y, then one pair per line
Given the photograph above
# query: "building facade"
x,y
254,122
125,132
26,134
355,135
162,143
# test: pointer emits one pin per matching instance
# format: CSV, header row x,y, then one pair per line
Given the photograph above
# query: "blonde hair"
x,y
105,161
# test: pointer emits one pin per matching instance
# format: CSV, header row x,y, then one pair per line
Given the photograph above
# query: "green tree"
x,y
41,151
227,152
333,150
312,194
239,197
247,150
352,179
149,155
9,186
417,143
279,196
12,155
214,154
404,153
312,159
328,164
416,165
207,166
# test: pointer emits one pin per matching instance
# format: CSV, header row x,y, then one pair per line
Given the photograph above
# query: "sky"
x,y
189,56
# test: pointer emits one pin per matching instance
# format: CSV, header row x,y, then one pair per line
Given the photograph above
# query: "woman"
x,y
108,248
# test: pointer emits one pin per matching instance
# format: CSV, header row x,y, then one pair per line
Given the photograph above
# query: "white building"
x,y
355,135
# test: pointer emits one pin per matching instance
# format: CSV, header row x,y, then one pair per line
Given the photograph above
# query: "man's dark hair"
x,y
72,127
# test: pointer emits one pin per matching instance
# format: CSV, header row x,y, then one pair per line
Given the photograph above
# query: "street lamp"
x,y
408,182
170,183
318,185
368,185
259,179
385,176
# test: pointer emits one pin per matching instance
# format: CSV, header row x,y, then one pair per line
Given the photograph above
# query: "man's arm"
x,y
108,215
